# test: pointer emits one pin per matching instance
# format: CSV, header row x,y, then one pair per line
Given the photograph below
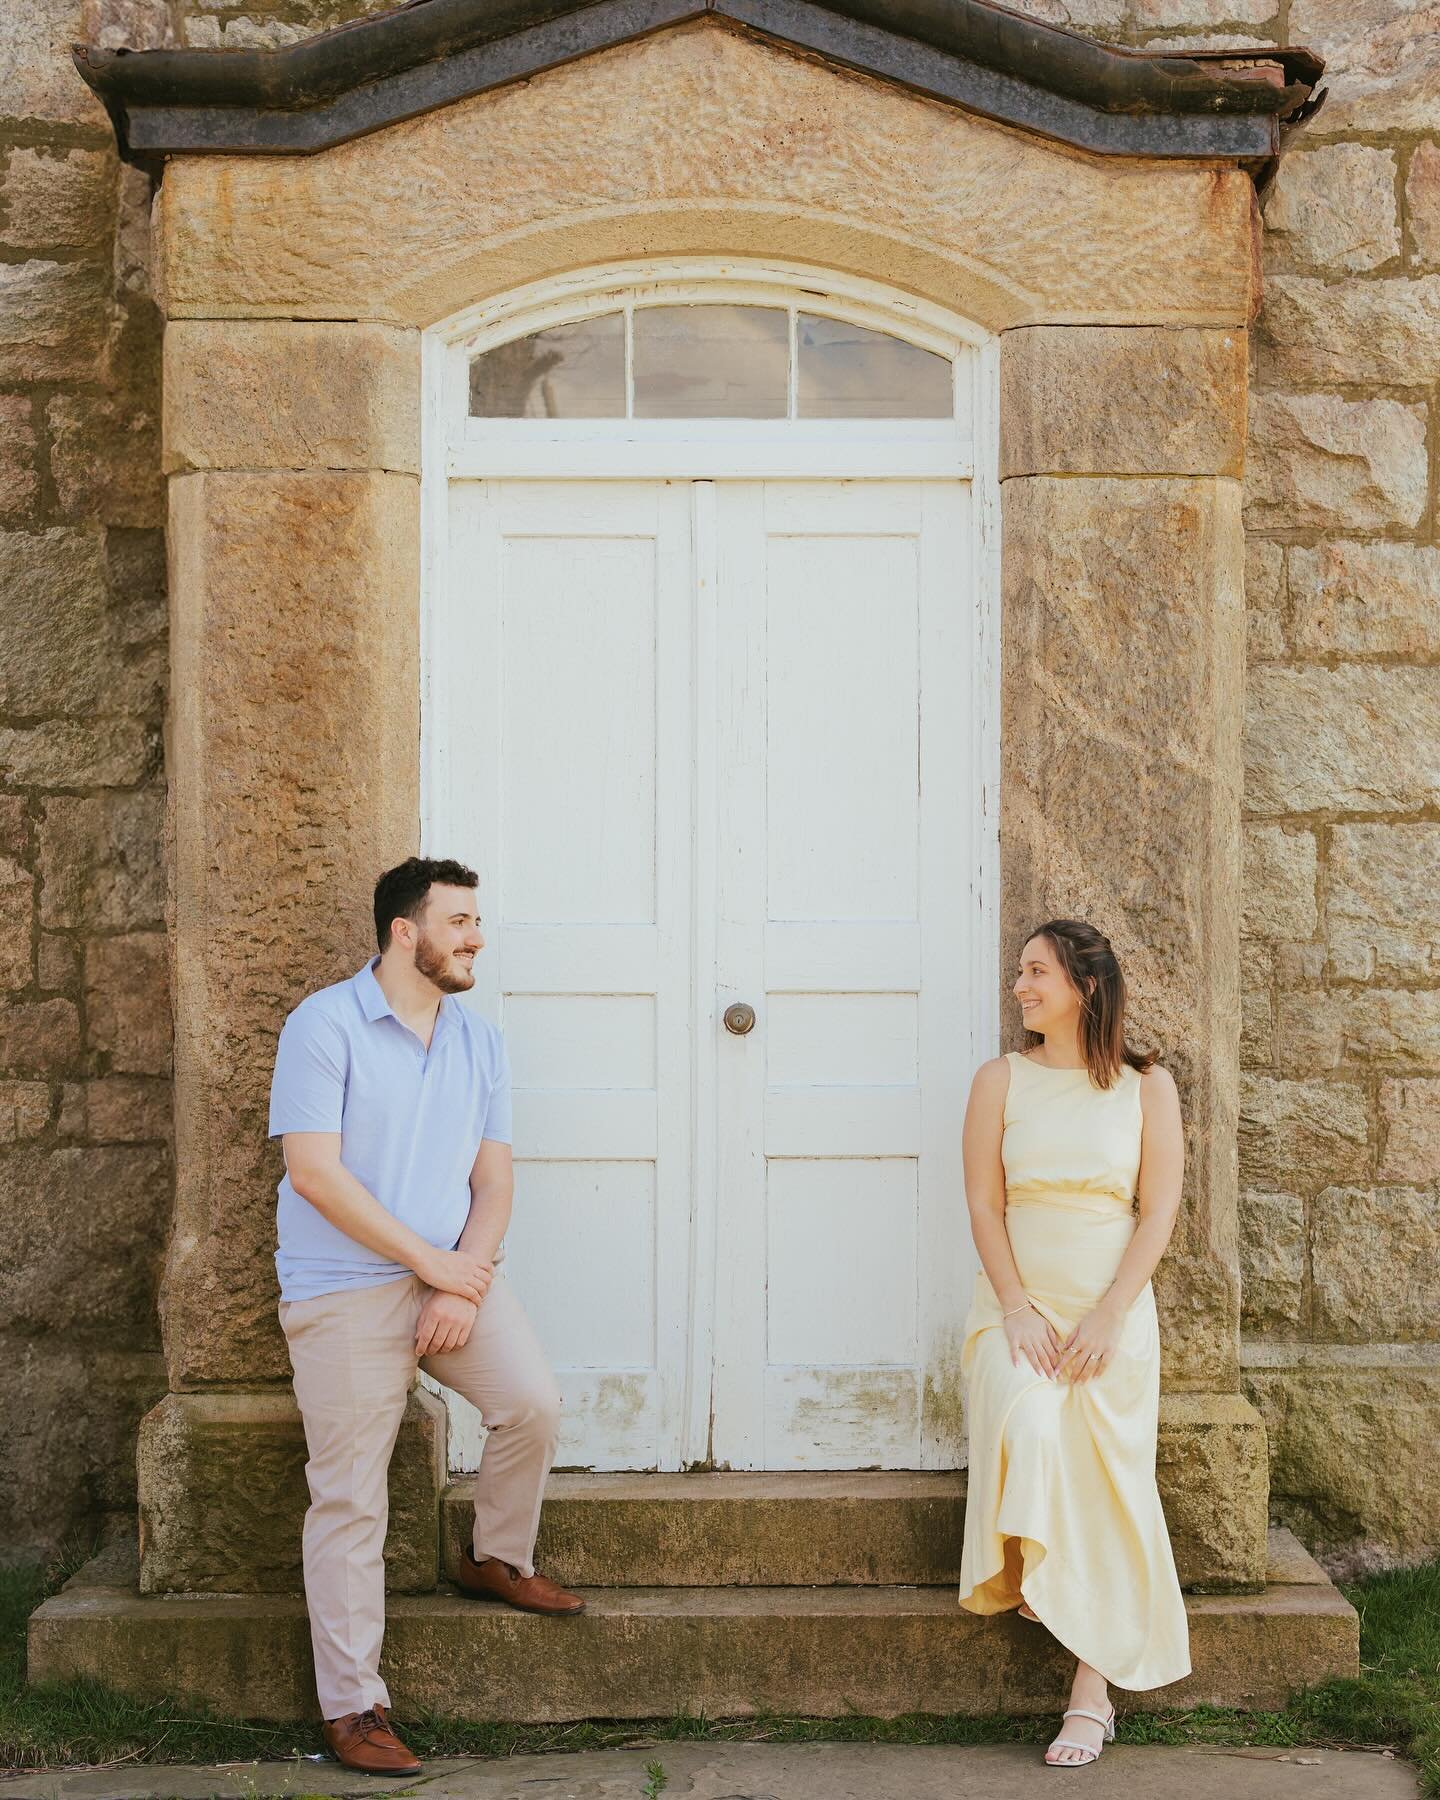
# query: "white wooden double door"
x,y
708,744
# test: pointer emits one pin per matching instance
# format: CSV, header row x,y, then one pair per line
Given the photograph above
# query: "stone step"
x,y
836,1529
657,1651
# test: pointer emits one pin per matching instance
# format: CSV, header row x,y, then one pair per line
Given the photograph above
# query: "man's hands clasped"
x,y
458,1282
457,1272
445,1323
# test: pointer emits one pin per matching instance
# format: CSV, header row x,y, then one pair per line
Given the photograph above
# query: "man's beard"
x,y
436,966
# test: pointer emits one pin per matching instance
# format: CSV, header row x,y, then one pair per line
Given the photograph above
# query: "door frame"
x,y
455,447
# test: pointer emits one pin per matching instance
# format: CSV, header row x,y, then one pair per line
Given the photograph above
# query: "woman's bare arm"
x,y
1162,1170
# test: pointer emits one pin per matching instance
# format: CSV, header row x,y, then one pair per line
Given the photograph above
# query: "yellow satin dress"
x,y
1062,1510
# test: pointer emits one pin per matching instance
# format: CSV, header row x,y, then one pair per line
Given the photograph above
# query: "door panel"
x,y
571,778
841,919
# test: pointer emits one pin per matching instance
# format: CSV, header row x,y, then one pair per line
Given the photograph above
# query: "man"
x,y
393,1104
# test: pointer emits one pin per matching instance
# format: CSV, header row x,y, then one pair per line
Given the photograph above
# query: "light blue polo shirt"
x,y
410,1123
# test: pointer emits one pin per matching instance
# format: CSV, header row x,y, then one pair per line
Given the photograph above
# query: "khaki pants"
x,y
353,1353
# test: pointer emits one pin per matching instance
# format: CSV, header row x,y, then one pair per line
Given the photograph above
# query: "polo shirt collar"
x,y
374,1005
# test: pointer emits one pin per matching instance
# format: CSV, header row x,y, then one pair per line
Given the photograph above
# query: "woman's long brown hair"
x,y
1093,971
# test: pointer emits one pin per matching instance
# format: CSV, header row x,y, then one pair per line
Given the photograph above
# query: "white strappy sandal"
x,y
1091,1754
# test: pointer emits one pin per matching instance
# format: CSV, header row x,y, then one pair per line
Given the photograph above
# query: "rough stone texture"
x,y
1364,600
51,1282
1422,202
102,753
284,585
85,1189
1291,1129
223,1495
24,1110
1332,333
1210,1463
1122,401
1272,1260
1121,724
19,477
105,458
127,996
859,1528
756,150
1335,208
120,1109
52,320
36,80
1383,909
1321,463
1410,1111
1278,883
1382,61
1375,1252
1357,1027
279,394
97,860
56,198
1352,739
1352,1459
826,1652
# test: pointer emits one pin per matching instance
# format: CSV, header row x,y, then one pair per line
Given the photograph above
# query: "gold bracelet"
x,y
1015,1309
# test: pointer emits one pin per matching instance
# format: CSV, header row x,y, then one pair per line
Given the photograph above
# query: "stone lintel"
x,y
1122,400
291,394
223,1494
294,733
1123,665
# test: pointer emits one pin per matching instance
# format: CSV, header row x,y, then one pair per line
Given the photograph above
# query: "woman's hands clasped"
x,y
1031,1335
1086,1352
1090,1347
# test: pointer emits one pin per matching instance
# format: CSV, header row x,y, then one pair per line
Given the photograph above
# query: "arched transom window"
x,y
711,360
708,368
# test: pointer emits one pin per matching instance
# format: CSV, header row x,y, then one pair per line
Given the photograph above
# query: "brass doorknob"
x,y
739,1018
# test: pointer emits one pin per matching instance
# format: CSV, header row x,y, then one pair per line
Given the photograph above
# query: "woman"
x,y
1062,1350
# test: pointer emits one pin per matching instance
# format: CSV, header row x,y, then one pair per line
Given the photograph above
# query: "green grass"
x,y
1395,1704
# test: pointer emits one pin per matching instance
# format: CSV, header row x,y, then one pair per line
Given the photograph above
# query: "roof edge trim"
x,y
975,54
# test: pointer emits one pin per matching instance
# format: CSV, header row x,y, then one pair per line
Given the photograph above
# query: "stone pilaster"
x,y
1122,673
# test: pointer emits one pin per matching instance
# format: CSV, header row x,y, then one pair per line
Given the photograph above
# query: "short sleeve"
x,y
497,1113
307,1092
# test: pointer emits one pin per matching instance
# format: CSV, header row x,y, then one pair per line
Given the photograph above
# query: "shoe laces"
x,y
370,1720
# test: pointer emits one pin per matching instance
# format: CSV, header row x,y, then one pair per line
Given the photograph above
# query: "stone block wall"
x,y
85,1159
1341,1050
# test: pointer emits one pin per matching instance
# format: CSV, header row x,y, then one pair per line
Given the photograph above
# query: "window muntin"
x,y
710,360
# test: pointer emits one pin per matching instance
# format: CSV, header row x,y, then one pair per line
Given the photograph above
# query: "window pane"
x,y
711,362
847,372
568,372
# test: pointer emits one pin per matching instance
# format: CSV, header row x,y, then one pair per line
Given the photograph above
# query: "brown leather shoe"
x,y
492,1579
365,1741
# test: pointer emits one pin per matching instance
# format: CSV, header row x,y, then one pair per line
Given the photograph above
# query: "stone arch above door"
x,y
755,152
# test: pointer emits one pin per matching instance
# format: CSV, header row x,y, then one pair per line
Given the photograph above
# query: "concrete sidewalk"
x,y
771,1772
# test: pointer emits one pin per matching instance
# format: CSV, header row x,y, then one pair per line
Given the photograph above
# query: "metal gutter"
x,y
971,53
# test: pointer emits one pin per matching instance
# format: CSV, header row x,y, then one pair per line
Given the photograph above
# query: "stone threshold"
x,y
655,1652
